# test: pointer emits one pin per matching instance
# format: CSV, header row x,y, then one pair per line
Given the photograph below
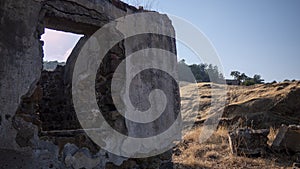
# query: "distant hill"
x,y
258,106
51,65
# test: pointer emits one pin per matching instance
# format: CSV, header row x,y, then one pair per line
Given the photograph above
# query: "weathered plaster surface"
x,y
23,141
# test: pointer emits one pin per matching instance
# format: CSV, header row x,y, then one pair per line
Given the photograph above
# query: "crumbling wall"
x,y
22,24
55,108
21,61
38,125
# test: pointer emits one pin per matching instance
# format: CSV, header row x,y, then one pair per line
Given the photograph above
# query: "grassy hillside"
x,y
258,107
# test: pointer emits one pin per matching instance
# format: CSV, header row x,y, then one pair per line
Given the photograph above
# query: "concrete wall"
x,y
24,92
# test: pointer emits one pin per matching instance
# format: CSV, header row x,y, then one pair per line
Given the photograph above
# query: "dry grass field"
x,y
215,153
259,106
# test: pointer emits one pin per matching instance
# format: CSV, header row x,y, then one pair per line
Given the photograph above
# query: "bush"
x,y
274,82
249,82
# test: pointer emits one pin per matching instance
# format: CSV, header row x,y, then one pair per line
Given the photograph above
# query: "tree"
x,y
245,80
201,72
236,75
249,82
244,77
257,79
214,74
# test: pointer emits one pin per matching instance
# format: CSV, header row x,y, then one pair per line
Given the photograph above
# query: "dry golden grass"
x,y
253,102
272,135
215,153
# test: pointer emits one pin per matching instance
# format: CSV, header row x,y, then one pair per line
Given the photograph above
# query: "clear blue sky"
x,y
253,36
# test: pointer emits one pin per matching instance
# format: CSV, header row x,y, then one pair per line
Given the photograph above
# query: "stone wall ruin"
x,y
38,125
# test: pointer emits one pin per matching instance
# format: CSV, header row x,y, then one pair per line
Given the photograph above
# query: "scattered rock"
x,y
24,136
83,159
69,150
69,160
117,160
287,138
25,132
79,158
248,141
296,166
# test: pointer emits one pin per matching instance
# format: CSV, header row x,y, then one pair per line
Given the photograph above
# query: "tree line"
x,y
246,80
210,73
201,72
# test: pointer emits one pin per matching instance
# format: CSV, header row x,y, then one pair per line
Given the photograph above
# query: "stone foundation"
x,y
287,139
248,142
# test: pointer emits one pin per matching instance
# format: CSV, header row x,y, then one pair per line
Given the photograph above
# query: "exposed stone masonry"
x,y
38,124
56,112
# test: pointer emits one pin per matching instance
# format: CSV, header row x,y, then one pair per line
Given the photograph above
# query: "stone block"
x,y
248,142
287,138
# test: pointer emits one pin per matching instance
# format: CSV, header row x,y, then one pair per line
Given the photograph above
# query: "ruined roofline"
x,y
96,4
83,16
